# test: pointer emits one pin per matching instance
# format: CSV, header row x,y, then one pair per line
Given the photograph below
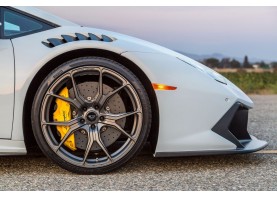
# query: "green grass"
x,y
254,83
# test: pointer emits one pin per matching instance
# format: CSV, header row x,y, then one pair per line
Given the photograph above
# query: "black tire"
x,y
38,108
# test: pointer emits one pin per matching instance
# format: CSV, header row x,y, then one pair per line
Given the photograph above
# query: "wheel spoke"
x,y
106,97
113,124
94,136
100,86
99,141
89,144
67,135
76,92
120,116
65,123
123,131
69,100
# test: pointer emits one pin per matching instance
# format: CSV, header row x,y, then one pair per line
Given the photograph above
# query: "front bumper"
x,y
233,127
253,146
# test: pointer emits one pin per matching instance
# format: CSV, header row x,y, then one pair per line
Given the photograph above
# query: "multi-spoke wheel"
x,y
91,115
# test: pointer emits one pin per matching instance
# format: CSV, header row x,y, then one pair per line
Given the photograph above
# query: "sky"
x,y
231,31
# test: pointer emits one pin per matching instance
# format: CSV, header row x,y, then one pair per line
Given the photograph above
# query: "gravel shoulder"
x,y
263,119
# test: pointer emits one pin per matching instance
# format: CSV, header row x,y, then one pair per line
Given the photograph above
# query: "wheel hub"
x,y
91,116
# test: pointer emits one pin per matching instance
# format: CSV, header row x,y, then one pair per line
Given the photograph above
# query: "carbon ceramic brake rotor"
x,y
116,105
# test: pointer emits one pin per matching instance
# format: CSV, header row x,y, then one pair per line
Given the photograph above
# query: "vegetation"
x,y
254,83
251,77
232,63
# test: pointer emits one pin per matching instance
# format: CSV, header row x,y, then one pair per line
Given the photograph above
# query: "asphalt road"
x,y
256,171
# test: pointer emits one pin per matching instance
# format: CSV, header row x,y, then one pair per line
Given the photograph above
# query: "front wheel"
x,y
91,115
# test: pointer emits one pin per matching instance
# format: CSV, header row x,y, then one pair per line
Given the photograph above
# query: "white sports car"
x,y
91,98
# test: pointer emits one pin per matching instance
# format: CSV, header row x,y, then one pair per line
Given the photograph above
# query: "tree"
x,y
264,65
274,65
225,63
235,64
246,64
212,62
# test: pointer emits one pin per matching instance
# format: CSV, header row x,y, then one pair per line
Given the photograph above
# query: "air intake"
x,y
233,126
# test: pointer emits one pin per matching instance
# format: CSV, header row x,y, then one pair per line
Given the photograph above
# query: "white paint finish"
x,y
9,147
6,88
187,114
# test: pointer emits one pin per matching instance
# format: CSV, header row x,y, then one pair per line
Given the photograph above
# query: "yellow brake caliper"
x,y
62,114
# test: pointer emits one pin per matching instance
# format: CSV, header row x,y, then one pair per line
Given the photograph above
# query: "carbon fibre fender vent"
x,y
53,42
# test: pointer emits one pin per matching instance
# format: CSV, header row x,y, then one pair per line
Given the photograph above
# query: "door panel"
x,y
6,88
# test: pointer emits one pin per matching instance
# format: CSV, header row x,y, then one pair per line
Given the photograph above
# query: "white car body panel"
x,y
187,114
12,147
6,88
179,110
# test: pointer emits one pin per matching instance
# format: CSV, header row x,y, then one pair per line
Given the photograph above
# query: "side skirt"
x,y
11,147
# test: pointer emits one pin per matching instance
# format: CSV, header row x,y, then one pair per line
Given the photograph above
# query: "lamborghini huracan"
x,y
90,99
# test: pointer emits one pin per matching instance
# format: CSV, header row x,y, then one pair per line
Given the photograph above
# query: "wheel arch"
x,y
29,139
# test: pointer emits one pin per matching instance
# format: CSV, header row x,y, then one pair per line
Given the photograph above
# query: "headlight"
x,y
216,76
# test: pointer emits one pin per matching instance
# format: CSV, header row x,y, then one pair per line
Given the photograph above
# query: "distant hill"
x,y
221,56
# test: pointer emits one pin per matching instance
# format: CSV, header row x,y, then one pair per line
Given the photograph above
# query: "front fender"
x,y
187,114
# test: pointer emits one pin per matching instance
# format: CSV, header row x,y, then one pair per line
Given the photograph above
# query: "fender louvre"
x,y
53,42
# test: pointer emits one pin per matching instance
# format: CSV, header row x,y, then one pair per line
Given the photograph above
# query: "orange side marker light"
x,y
158,86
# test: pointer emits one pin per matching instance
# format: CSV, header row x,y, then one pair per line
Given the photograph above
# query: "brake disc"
x,y
88,90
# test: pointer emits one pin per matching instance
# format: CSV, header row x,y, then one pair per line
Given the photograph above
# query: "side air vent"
x,y
53,42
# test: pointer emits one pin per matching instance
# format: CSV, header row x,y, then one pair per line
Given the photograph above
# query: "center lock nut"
x,y
91,116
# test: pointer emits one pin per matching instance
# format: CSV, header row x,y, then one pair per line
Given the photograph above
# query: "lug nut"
x,y
89,98
96,107
102,118
83,132
103,129
82,121
108,108
74,113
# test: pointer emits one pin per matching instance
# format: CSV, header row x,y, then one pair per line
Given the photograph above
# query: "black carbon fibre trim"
x,y
222,126
81,36
53,42
68,38
106,38
238,126
94,37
